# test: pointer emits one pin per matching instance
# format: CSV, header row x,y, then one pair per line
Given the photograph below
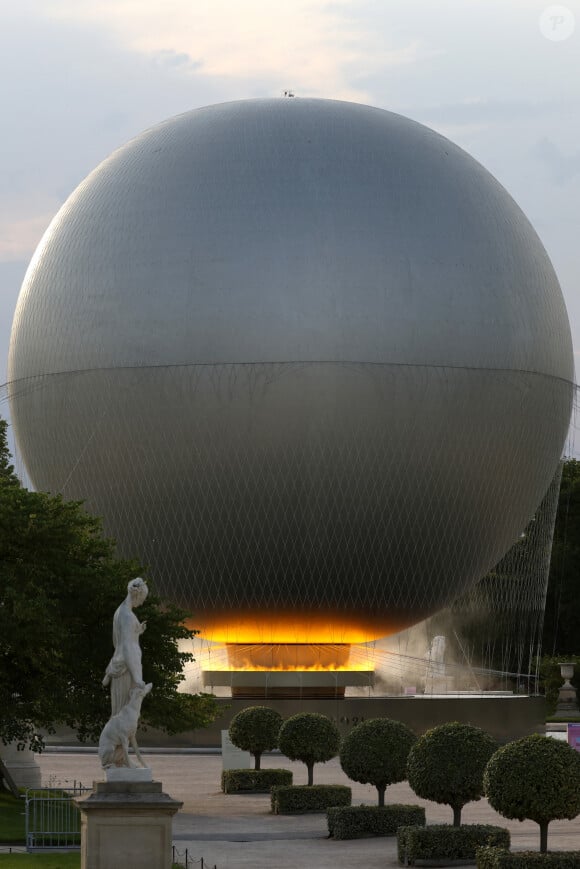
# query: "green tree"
x,y
551,678
447,763
61,584
256,730
536,777
309,737
562,616
375,752
7,475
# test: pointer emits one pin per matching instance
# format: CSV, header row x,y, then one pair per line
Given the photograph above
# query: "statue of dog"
x,y
119,732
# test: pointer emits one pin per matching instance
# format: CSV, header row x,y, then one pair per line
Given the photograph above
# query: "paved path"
x,y
238,832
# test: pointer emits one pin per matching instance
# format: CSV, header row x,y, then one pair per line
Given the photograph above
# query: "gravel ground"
x,y
239,831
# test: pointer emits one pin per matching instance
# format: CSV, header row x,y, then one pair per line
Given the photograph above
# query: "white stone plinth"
x,y
232,756
129,774
21,765
127,824
289,678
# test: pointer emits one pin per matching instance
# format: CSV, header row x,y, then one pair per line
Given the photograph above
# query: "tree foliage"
x,y
255,729
61,584
447,763
7,476
551,678
375,752
309,737
536,777
562,618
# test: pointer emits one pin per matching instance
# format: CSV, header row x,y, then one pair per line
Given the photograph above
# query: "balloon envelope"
x,y
307,358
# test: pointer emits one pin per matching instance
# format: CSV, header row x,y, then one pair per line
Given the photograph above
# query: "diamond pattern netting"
x,y
499,622
348,493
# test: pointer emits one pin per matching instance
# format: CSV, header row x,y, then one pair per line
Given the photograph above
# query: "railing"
x,y
182,858
52,819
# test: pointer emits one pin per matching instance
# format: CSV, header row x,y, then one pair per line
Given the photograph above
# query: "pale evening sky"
x,y
501,78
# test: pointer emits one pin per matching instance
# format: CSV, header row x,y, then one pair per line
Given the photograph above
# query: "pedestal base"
x,y
127,824
21,765
129,774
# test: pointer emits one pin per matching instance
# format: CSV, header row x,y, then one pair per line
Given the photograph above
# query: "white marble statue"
x,y
436,673
125,670
125,675
119,732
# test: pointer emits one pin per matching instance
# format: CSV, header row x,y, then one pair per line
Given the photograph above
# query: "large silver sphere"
x,y
308,359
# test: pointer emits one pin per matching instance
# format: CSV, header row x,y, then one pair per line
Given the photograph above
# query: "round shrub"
x,y
447,763
375,752
536,777
256,729
309,737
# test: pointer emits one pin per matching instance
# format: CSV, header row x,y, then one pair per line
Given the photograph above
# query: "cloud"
x,y
25,213
313,46
482,110
72,96
11,277
562,167
19,237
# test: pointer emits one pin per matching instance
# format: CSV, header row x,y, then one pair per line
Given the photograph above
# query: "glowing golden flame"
x,y
297,669
289,657
284,627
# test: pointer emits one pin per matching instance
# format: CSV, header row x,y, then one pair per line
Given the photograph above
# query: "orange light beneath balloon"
x,y
302,657
289,628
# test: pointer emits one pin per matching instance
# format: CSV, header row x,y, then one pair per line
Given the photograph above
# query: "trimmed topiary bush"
x,y
447,763
499,858
256,730
551,679
309,737
357,822
299,799
256,781
442,842
536,777
375,752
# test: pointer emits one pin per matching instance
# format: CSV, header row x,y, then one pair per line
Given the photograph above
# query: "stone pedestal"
x,y
232,756
133,775
21,765
127,824
567,703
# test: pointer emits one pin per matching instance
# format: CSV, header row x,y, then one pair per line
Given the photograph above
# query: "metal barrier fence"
x,y
182,858
52,819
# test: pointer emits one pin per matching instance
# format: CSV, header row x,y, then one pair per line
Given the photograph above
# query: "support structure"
x,y
127,824
567,702
287,684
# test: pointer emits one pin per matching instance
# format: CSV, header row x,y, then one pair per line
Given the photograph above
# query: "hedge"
x,y
500,858
357,822
298,799
257,781
442,842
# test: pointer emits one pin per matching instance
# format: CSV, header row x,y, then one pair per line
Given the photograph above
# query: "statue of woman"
x,y
124,671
